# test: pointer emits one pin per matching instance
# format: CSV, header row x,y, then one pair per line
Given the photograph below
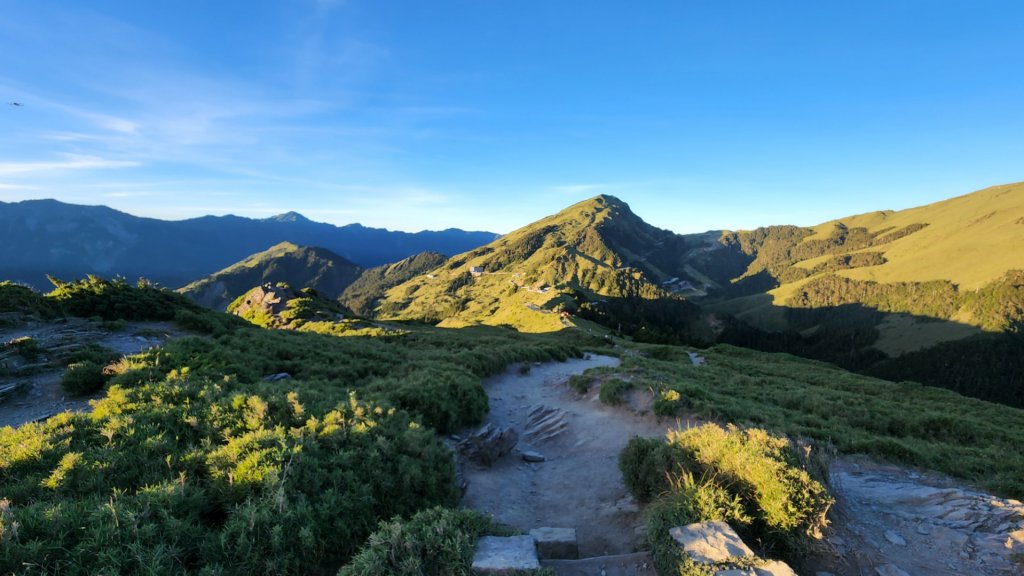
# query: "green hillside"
x,y
596,260
934,293
949,249
297,266
362,295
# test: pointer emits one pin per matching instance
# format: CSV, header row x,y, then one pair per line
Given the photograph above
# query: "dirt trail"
x,y
578,485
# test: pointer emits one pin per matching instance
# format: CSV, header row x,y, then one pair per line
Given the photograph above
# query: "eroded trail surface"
x,y
578,485
891,520
39,393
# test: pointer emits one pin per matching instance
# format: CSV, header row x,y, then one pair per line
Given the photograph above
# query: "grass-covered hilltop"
x,y
311,429
596,260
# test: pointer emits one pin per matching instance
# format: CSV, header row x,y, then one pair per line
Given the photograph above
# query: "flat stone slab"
x,y
710,542
636,564
556,543
500,554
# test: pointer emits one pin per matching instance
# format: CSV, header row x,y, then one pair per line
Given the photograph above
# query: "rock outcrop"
x,y
485,446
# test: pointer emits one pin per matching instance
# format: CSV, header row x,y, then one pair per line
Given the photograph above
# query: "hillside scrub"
x,y
903,422
113,301
746,477
194,463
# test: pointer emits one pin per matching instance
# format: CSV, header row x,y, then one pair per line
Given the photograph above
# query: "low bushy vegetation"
x,y
434,542
612,390
195,463
905,422
82,378
114,301
749,478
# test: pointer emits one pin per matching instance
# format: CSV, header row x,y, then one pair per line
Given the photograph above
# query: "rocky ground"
x,y
38,393
890,520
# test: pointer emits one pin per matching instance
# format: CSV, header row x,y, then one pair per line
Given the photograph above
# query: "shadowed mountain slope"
x,y
363,294
300,267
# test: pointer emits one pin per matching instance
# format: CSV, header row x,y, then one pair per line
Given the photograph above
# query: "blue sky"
x,y
488,115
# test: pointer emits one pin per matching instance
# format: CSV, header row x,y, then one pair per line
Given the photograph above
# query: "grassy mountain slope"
x,y
970,240
933,294
362,295
595,257
964,243
299,267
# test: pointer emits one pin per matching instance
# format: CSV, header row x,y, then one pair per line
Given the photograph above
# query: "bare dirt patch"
x,y
578,485
39,393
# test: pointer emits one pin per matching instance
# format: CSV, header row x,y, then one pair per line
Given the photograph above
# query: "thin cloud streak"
x,y
80,163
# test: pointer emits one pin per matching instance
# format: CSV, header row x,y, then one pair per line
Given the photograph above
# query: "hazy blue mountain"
x,y
40,237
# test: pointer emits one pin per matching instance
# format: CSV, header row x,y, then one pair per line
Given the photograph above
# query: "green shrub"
x,y
192,463
580,383
26,347
93,353
747,477
667,402
645,464
785,501
612,390
434,542
83,378
688,500
18,299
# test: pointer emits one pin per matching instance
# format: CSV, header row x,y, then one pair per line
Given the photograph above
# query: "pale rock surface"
x,y
556,543
496,554
710,542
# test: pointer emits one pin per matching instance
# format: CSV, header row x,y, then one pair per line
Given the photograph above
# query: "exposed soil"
x,y
40,394
578,485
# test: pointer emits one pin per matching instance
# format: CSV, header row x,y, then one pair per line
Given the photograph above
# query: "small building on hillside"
x,y
476,271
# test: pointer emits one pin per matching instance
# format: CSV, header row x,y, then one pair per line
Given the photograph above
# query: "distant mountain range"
x,y
40,237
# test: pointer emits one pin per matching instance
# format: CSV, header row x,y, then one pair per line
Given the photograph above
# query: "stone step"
x,y
503,554
636,564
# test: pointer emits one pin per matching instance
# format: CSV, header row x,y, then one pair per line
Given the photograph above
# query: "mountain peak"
x,y
291,216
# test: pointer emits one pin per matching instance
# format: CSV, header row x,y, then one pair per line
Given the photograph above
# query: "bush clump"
x,y
612,390
434,542
667,402
747,476
82,378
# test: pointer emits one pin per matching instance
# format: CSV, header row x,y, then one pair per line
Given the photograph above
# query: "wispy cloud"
x,y
5,186
71,163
